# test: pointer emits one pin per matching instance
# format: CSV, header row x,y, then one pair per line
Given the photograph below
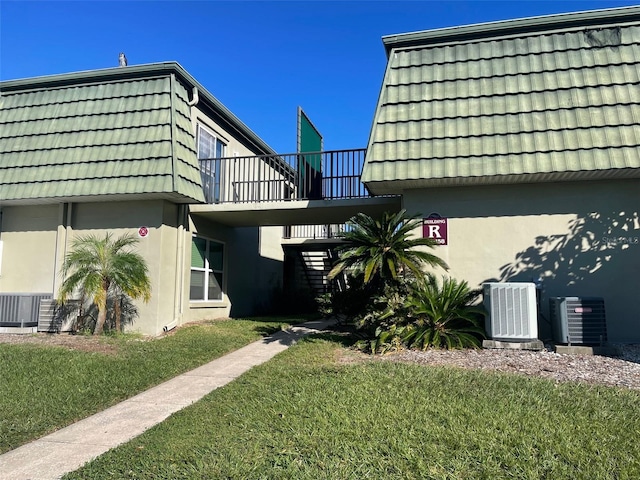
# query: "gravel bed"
x,y
622,371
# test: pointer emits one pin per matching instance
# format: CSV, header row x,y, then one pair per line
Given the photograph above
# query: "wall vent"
x,y
513,313
578,320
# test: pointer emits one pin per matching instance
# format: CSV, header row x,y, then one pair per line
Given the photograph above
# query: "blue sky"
x,y
262,59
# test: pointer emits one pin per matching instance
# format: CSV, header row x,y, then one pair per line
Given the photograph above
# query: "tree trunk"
x,y
102,309
118,311
102,317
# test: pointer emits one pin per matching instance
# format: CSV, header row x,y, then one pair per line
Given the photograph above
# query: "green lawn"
x,y
43,388
305,415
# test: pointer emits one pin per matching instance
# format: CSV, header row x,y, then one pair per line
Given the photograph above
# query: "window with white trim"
x,y
210,149
207,269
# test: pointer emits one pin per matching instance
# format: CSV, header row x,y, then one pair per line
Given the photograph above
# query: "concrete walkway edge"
x,y
66,450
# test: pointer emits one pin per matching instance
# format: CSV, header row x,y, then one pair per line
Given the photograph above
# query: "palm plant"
x,y
97,266
443,315
380,249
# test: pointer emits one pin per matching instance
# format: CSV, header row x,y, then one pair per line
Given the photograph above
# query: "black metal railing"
x,y
316,232
294,176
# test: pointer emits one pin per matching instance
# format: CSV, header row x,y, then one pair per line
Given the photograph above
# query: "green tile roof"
x,y
106,138
114,132
551,98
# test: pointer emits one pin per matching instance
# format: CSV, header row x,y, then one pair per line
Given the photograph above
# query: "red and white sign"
x,y
436,229
143,232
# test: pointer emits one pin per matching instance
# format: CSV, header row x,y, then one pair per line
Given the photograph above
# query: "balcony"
x,y
316,188
295,176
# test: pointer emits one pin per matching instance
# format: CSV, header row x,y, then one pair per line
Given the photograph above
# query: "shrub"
x,y
444,315
433,315
353,302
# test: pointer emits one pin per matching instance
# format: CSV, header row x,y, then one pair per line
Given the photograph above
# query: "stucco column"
x,y
65,211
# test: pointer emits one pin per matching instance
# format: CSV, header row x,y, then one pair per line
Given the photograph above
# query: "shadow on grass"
x,y
266,330
275,324
345,340
291,319
345,335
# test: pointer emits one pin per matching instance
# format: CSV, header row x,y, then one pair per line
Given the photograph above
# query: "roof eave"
x,y
110,197
520,26
398,186
91,76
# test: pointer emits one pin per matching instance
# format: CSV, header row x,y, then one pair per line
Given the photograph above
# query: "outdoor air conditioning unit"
x,y
578,320
54,318
513,313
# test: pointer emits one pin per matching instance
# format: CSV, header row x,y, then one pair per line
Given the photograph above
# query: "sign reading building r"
x,y
435,227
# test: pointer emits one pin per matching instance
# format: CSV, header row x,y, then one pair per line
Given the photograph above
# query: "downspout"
x,y
195,97
172,93
179,276
178,300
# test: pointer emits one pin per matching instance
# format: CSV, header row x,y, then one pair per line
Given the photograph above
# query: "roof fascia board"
x,y
90,76
546,23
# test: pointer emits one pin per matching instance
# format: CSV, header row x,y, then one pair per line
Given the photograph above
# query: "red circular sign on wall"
x,y
143,232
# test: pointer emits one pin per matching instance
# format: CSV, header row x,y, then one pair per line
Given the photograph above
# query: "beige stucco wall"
x,y
158,248
37,238
560,232
29,249
253,269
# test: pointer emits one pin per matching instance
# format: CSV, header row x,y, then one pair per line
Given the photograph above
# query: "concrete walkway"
x,y
66,450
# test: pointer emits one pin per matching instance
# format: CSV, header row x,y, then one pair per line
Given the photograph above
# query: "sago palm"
x,y
382,248
443,315
97,265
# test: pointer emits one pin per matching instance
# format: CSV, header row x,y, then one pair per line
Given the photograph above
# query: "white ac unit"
x,y
578,320
513,312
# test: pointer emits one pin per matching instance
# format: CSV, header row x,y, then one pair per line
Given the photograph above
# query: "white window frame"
x,y
214,168
207,270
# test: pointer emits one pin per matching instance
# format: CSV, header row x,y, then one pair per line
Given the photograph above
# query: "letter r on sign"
x,y
434,231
